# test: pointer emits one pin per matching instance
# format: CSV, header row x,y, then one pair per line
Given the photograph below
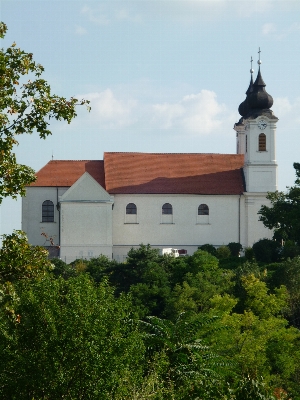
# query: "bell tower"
x,y
256,132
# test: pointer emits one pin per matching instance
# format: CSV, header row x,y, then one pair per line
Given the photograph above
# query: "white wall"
x,y
86,230
89,229
32,215
186,230
253,228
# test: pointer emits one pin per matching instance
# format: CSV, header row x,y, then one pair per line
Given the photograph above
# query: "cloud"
x,y
195,115
109,111
270,29
96,15
106,15
286,110
80,31
124,15
199,114
181,11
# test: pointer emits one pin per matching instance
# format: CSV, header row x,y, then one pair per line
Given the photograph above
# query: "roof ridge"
x,y
71,160
186,154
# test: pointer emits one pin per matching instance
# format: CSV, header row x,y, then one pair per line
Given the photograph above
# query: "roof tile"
x,y
150,173
174,173
67,172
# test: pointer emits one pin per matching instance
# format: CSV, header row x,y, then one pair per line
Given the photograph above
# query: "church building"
x,y
84,208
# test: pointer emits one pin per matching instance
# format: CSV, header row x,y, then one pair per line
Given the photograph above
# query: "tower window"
x,y
203,209
262,142
167,209
131,208
47,211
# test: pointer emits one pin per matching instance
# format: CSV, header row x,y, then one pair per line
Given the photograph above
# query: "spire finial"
x,y
259,60
251,70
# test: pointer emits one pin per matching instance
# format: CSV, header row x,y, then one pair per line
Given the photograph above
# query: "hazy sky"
x,y
162,76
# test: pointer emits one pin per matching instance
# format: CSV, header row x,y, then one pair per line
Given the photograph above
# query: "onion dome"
x,y
244,106
259,98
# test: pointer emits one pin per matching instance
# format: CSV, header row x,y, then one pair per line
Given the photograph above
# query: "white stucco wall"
x,y
260,166
253,228
32,215
86,230
185,230
91,228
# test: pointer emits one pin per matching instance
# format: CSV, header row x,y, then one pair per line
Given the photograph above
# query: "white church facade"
x,y
81,209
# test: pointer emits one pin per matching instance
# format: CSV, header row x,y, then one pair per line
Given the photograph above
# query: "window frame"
x,y
132,208
167,209
203,209
47,211
262,142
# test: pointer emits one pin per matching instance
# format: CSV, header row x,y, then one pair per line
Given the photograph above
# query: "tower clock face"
x,y
262,124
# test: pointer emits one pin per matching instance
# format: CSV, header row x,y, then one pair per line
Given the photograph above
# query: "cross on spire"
x,y
259,60
251,69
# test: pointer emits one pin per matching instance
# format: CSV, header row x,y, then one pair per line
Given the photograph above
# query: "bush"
x,y
235,248
223,252
266,250
290,249
62,269
249,253
209,248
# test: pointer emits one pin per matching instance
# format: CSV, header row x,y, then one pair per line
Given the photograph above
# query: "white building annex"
x,y
81,209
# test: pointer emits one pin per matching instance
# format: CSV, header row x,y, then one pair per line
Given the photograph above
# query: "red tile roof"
x,y
66,172
144,173
174,173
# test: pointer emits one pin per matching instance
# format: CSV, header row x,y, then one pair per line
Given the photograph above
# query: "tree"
x,y
284,213
266,250
21,261
26,106
190,368
72,340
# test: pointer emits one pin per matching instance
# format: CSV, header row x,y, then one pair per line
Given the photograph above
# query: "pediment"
x,y
86,188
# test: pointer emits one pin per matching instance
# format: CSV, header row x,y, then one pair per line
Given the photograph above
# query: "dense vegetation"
x,y
199,327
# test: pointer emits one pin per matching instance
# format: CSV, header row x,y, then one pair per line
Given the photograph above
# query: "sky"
x,y
162,76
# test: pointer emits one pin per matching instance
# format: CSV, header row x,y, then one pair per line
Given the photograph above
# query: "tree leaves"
x,y
26,106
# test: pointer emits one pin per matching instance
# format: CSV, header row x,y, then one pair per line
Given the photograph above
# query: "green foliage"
x,y
290,249
259,301
266,250
288,274
257,339
26,106
190,366
203,280
64,336
100,267
223,252
19,260
283,214
249,254
235,248
209,248
72,340
253,389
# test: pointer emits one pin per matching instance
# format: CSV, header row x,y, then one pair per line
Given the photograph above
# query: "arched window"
x,y
47,211
203,209
167,209
262,142
131,208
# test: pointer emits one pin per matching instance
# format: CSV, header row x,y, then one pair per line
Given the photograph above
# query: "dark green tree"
x,y
283,216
